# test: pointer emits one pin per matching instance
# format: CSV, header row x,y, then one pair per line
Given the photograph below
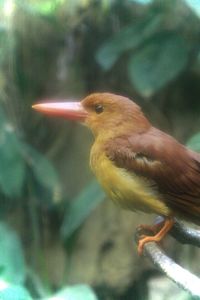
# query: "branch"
x,y
186,280
185,234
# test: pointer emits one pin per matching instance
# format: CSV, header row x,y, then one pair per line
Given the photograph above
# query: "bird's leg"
x,y
152,228
168,223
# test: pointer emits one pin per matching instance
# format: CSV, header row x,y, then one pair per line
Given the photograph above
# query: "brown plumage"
x,y
139,166
173,170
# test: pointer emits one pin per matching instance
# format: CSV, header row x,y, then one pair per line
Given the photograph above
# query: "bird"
x,y
140,167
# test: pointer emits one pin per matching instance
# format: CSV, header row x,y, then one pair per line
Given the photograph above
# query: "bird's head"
x,y
101,112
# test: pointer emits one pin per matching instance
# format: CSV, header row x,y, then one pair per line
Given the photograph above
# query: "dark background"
x,y
58,234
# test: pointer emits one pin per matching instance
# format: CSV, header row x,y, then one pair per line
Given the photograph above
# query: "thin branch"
x,y
179,275
185,234
183,278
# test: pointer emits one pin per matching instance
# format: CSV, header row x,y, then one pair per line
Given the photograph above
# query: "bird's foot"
x,y
151,228
167,225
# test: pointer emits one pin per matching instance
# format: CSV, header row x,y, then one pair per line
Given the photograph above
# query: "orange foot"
x,y
168,223
152,228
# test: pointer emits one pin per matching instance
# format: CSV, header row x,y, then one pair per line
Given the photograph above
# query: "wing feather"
x,y
159,157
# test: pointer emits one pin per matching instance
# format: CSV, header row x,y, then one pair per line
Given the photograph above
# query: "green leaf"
x,y
194,142
142,1
159,61
12,171
81,207
76,292
43,8
194,5
44,172
13,292
128,38
7,43
12,265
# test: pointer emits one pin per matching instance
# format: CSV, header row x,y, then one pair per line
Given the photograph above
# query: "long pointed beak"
x,y
67,110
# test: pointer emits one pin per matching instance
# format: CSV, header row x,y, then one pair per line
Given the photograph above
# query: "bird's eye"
x,y
99,108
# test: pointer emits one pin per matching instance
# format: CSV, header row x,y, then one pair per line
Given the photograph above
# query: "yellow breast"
x,y
126,189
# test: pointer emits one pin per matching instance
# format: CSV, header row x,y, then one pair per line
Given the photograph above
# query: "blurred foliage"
x,y
81,207
12,266
194,142
78,292
145,49
14,292
157,50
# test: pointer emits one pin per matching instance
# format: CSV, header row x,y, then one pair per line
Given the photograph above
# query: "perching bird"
x,y
138,166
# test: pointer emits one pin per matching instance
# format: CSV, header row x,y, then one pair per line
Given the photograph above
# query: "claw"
x,y
168,223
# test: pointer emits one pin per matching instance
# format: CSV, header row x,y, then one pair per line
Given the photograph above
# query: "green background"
x,y
59,239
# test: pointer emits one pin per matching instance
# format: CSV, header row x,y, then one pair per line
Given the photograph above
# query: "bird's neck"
x,y
106,135
97,150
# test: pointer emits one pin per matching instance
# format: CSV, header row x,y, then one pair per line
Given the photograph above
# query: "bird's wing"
x,y
160,158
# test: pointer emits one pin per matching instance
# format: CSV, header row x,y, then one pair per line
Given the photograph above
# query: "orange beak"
x,y
68,110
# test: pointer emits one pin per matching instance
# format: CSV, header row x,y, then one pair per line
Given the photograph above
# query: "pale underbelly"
x,y
129,191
